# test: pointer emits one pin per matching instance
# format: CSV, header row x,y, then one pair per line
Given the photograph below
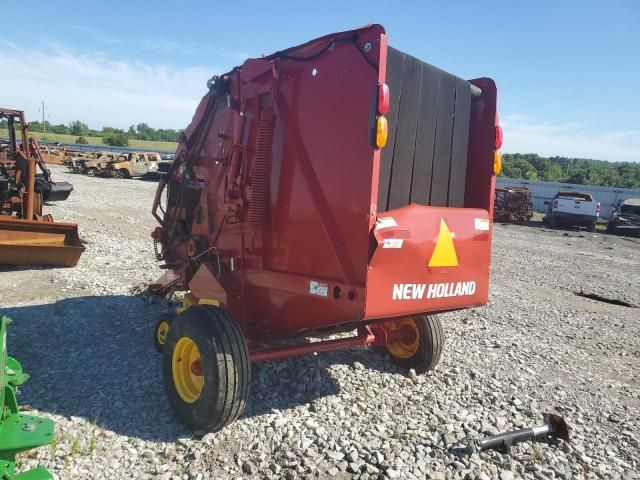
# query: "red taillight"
x,y
598,208
498,137
383,98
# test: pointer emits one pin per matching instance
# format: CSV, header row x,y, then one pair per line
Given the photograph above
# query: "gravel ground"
x,y
85,336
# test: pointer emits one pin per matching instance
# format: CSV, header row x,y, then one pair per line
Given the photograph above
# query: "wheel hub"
x,y
161,333
404,337
186,368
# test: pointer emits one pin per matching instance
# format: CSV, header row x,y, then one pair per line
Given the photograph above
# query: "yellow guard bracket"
x,y
444,255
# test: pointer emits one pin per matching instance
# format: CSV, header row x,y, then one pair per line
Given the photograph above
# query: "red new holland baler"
x,y
337,186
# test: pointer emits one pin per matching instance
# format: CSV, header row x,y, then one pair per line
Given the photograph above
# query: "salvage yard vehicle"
x,y
626,218
91,166
337,186
513,205
18,432
27,236
572,209
73,162
129,165
53,154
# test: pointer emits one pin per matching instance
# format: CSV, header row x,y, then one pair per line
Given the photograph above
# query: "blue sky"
x,y
568,72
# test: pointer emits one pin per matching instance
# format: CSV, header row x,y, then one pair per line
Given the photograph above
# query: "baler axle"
x,y
279,353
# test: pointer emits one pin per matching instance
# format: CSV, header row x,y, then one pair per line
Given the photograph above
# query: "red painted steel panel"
x,y
404,251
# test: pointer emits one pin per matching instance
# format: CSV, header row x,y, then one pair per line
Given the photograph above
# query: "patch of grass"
x,y
536,453
54,445
537,216
601,227
75,447
146,145
152,145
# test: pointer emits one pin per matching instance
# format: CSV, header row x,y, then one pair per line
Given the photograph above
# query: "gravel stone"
x,y
249,468
506,475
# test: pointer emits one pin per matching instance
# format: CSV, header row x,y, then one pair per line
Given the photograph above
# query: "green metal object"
x,y
18,433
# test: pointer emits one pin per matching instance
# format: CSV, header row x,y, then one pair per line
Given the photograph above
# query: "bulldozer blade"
x,y
31,242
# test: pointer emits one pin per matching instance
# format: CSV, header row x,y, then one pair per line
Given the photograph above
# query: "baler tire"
x,y
430,343
164,323
224,362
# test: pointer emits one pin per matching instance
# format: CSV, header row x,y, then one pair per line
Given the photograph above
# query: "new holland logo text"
x,y
418,291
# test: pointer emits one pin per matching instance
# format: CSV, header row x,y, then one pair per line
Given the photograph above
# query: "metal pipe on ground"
x,y
554,426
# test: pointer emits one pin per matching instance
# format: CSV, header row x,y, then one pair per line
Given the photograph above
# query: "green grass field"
x,y
139,144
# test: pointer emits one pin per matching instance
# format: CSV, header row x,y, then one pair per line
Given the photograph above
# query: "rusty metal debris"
x,y
27,236
513,205
53,153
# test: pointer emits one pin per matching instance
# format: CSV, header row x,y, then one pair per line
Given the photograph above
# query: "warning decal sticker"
x,y
444,255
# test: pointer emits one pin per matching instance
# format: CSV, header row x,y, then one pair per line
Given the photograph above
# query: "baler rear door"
x,y
428,259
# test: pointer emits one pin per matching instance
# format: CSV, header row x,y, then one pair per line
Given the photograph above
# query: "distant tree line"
x,y
110,135
529,166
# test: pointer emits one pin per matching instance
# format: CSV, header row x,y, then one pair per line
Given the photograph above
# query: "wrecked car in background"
x,y
626,218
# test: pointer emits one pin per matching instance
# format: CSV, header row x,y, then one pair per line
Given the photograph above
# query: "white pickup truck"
x,y
572,209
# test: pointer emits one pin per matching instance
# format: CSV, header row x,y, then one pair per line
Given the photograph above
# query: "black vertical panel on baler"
x,y
460,144
405,141
425,135
425,158
444,136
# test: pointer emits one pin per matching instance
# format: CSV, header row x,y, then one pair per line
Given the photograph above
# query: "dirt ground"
x,y
550,339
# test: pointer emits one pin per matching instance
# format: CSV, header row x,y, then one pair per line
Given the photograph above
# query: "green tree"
x,y
61,128
78,128
115,139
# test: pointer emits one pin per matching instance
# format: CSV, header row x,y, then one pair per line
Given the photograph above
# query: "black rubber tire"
x,y
165,317
225,362
430,346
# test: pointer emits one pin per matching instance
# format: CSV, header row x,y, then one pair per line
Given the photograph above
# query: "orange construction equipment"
x,y
27,237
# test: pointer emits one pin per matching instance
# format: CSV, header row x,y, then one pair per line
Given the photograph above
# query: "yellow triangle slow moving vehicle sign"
x,y
444,255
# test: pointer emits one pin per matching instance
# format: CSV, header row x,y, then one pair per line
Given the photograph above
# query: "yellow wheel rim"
x,y
161,332
186,368
408,328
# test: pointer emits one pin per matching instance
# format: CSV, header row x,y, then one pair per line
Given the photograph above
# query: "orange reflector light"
x,y
383,98
497,162
382,130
